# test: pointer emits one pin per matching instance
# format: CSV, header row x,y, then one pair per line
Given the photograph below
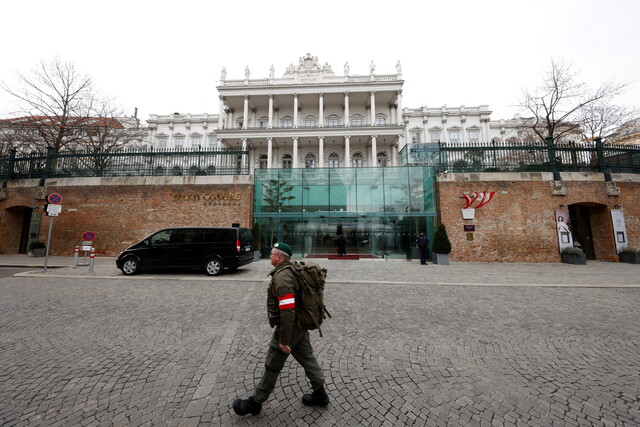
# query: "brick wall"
x,y
124,211
518,225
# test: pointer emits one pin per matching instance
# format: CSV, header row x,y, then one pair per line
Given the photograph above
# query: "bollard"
x,y
92,257
76,250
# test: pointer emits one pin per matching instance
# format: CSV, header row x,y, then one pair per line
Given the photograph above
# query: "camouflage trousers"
x,y
301,350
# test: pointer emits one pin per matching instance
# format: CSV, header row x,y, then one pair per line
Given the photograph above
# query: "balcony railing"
x,y
340,126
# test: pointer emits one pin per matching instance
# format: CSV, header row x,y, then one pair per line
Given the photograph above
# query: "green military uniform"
x,y
281,312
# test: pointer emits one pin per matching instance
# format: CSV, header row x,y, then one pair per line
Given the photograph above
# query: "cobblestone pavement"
x,y
76,351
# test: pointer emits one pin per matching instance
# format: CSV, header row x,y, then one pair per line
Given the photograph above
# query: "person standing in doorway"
x,y
288,338
423,245
342,245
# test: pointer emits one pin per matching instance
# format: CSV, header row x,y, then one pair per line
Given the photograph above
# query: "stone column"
x,y
394,154
295,110
485,129
221,114
245,116
244,144
374,151
463,122
295,152
321,110
321,151
347,120
373,108
231,118
444,131
270,111
399,108
347,152
269,152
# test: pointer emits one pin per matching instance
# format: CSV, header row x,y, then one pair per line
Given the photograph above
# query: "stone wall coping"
x,y
135,180
533,176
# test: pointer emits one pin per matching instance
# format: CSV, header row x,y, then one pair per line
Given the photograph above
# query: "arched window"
x,y
286,161
211,170
334,160
357,161
310,161
382,160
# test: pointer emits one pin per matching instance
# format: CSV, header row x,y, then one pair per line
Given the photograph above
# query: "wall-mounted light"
x,y
562,205
617,206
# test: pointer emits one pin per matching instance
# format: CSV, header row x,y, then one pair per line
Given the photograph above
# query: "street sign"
x,y
54,198
88,236
54,210
86,248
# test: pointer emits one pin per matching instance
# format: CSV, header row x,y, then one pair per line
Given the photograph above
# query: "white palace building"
x,y
312,118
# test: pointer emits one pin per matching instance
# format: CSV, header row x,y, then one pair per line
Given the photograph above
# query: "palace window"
x,y
356,121
264,123
196,140
434,135
213,142
357,161
161,141
380,121
334,160
416,136
310,161
178,142
474,135
287,122
382,160
454,135
262,161
310,123
333,122
287,161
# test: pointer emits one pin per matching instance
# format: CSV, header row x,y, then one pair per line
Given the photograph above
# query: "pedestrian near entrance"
x,y
289,337
423,244
342,245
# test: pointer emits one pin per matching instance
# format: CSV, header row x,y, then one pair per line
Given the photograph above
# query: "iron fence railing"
x,y
537,156
124,163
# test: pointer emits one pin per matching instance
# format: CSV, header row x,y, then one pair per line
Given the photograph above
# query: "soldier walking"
x,y
288,338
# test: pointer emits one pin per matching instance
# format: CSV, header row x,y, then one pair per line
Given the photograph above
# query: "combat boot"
x,y
319,397
244,406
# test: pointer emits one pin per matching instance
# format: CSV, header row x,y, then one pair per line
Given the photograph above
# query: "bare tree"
x,y
601,119
555,106
108,131
54,101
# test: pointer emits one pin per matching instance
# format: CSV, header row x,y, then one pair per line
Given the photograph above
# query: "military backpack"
x,y
310,308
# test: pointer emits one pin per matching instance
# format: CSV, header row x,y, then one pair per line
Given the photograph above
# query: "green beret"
x,y
284,248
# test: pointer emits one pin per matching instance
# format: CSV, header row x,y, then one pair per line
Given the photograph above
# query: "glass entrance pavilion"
x,y
380,211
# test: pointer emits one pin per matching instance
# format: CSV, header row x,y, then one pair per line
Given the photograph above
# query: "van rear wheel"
x,y
214,267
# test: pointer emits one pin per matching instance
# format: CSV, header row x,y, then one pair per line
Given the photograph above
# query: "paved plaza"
x,y
465,344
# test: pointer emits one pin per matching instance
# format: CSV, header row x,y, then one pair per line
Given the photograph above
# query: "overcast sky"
x,y
166,56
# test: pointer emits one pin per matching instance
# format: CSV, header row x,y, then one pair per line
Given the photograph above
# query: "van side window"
x,y
188,235
216,235
161,237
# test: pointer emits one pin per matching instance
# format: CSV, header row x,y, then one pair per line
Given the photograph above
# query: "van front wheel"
x,y
213,267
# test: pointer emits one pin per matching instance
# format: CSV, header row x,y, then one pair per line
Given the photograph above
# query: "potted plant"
x,y
257,241
573,255
630,255
441,246
36,249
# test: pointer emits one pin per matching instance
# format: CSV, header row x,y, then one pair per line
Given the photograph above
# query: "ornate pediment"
x,y
309,65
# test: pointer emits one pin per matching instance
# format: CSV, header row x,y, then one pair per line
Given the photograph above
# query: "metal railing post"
x,y
551,152
602,165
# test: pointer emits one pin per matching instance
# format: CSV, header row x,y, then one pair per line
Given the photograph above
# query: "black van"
x,y
212,249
